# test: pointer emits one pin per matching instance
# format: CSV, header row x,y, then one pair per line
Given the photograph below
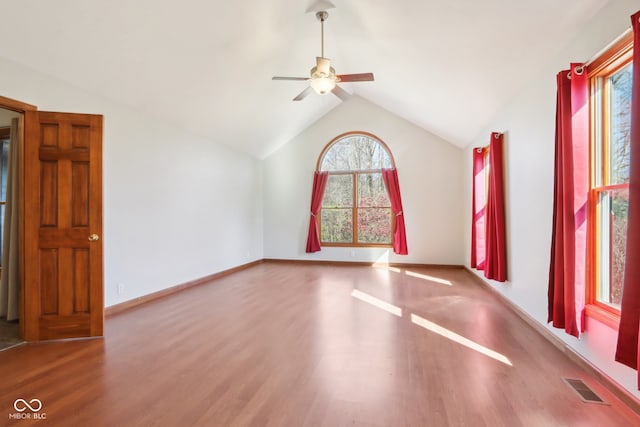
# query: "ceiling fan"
x,y
323,77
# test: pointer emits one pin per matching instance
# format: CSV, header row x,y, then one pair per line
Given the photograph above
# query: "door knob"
x,y
94,238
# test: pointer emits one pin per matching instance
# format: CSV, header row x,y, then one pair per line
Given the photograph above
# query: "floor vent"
x,y
583,391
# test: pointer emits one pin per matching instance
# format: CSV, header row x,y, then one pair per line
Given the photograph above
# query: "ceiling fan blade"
x,y
341,93
302,95
362,77
289,78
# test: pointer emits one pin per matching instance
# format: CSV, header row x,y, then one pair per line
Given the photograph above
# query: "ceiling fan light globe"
x,y
323,85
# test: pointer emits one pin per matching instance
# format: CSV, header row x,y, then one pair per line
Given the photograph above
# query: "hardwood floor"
x,y
306,345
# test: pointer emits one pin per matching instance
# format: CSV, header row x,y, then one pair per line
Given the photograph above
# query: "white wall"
x,y
430,174
177,206
529,126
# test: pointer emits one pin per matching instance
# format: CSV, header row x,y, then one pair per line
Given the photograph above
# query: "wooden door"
x,y
62,265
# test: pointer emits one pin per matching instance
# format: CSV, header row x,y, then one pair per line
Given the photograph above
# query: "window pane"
x,y
4,167
371,191
354,153
2,210
613,209
339,192
336,226
620,126
374,225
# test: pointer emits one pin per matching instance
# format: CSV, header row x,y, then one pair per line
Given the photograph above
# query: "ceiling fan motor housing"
x,y
323,68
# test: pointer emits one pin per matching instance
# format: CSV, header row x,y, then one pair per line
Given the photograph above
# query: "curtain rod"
x,y
580,68
603,50
496,135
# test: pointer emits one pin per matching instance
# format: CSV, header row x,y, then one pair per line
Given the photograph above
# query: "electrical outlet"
x,y
120,288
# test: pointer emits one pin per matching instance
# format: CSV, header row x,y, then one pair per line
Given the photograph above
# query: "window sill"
x,y
606,317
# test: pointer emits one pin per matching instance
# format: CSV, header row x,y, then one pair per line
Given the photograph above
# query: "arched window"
x,y
355,209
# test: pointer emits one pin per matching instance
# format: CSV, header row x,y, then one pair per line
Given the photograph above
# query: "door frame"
x,y
22,108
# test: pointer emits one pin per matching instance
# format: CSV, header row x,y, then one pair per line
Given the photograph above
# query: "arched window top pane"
x,y
355,152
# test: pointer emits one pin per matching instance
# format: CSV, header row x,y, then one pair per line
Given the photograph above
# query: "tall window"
x,y
480,184
355,210
610,80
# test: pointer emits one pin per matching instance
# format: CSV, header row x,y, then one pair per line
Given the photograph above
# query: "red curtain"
x,y
568,239
627,347
478,203
496,249
390,178
319,184
580,140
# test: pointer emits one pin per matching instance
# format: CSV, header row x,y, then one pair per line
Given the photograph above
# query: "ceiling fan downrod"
x,y
322,16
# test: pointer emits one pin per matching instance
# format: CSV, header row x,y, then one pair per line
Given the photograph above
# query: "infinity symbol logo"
x,y
21,405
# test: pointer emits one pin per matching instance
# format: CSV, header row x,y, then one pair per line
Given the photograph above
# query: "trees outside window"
x,y
611,84
355,210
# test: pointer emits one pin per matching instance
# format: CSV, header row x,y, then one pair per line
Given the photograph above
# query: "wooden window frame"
x,y
354,214
614,58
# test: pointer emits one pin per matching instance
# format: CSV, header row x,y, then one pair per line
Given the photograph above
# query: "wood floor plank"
x,y
292,345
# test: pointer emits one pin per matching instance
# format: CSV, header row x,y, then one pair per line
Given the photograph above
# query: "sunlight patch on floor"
x,y
390,308
420,321
386,267
429,278
383,267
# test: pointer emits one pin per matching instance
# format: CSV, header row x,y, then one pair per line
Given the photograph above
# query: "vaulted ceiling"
x,y
206,65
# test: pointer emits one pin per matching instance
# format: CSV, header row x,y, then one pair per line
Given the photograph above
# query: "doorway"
x,y
10,123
